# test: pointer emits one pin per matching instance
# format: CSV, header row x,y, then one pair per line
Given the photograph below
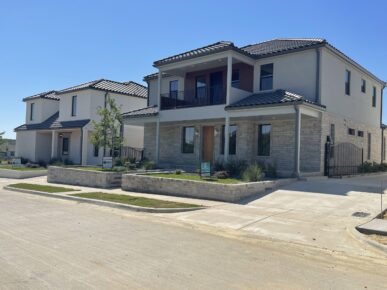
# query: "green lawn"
x,y
20,168
134,200
96,169
195,177
43,188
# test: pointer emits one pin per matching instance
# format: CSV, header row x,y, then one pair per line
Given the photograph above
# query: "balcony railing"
x,y
193,98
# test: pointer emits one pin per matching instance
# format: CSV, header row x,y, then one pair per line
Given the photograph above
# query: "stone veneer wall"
x,y
282,143
341,135
81,177
18,174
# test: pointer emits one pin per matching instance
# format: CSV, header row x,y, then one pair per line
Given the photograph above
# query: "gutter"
x,y
315,106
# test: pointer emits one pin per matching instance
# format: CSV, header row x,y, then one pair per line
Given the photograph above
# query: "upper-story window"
x,y
363,85
200,87
374,97
266,81
74,106
347,82
173,89
32,111
235,80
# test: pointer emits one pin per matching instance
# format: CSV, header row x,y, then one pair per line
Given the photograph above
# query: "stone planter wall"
x,y
17,174
74,176
196,189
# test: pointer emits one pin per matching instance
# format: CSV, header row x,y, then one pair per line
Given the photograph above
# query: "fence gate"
x,y
342,159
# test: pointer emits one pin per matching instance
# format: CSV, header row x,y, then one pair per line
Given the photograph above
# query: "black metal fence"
x,y
342,159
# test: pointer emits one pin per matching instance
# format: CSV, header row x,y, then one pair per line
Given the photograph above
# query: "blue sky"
x,y
55,44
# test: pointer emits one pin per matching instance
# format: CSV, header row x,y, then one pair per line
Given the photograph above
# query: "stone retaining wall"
x,y
74,176
196,189
18,174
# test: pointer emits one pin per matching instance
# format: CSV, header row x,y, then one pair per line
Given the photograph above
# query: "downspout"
x,y
297,141
81,155
381,122
318,64
104,137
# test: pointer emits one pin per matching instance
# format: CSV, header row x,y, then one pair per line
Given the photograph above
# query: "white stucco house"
x,y
277,102
58,123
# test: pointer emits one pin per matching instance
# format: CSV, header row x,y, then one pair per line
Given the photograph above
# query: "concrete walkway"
x,y
376,226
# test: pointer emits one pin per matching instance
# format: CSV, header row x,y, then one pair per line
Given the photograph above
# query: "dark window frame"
x,y
333,133
347,82
264,77
32,110
374,97
66,151
200,91
96,151
369,144
351,131
236,78
74,100
187,148
173,92
363,86
360,133
232,144
264,146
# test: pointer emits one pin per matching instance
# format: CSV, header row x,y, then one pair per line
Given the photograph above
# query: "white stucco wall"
x,y
152,87
357,106
43,109
26,144
134,136
83,106
43,146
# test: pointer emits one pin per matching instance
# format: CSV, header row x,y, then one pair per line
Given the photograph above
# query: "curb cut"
x,y
363,239
105,203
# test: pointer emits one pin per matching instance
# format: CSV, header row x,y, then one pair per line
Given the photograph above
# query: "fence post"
x,y
327,156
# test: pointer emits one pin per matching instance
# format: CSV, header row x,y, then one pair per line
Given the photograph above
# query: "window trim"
x,y
374,96
266,77
183,134
32,111
259,137
363,86
347,86
74,100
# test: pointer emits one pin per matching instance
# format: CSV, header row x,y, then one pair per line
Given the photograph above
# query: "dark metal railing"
x,y
131,153
193,98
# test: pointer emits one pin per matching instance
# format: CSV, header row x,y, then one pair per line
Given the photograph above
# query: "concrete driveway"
x,y
319,212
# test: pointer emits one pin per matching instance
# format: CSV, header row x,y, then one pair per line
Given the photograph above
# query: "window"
x,y
363,85
96,151
332,134
374,97
351,131
188,139
384,148
74,106
360,133
65,146
235,81
32,111
369,147
347,82
173,89
264,140
232,129
266,81
201,87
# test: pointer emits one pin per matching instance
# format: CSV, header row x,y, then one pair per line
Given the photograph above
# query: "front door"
x,y
208,144
216,88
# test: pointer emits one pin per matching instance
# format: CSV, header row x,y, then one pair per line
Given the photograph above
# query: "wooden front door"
x,y
208,144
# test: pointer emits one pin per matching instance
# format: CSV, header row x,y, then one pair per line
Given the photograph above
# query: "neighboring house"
x,y
58,123
277,100
7,149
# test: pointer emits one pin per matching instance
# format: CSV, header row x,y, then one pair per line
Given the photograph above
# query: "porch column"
x,y
297,141
159,89
229,75
54,144
226,138
157,141
84,144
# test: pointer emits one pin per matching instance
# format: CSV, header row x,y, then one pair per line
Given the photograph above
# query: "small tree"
x,y
107,132
2,141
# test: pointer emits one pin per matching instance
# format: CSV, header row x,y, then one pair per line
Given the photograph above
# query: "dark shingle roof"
x,y
270,98
50,95
52,123
281,45
205,50
145,112
126,88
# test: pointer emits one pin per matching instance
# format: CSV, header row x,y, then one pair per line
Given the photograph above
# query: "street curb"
x,y
363,239
105,203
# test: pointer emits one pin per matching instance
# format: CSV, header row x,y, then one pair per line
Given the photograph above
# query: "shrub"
x,y
149,165
24,160
68,162
221,174
252,173
236,167
368,167
32,165
218,166
178,172
42,163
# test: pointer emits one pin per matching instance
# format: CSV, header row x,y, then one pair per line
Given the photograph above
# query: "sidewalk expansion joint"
x,y
262,219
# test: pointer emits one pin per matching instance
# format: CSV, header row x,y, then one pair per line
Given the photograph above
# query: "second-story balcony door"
x,y
216,88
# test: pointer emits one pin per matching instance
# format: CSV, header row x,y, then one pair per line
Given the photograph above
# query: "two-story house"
x,y
58,123
7,148
274,102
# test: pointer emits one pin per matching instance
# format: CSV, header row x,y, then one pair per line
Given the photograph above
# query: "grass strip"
x,y
43,188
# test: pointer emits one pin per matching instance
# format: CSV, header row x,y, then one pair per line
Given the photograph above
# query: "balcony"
x,y
199,97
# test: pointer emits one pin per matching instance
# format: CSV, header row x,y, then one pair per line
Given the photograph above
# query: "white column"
x,y
159,89
54,144
157,141
226,138
229,75
298,141
85,138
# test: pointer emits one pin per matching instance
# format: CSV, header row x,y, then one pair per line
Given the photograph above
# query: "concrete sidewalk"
x,y
376,226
